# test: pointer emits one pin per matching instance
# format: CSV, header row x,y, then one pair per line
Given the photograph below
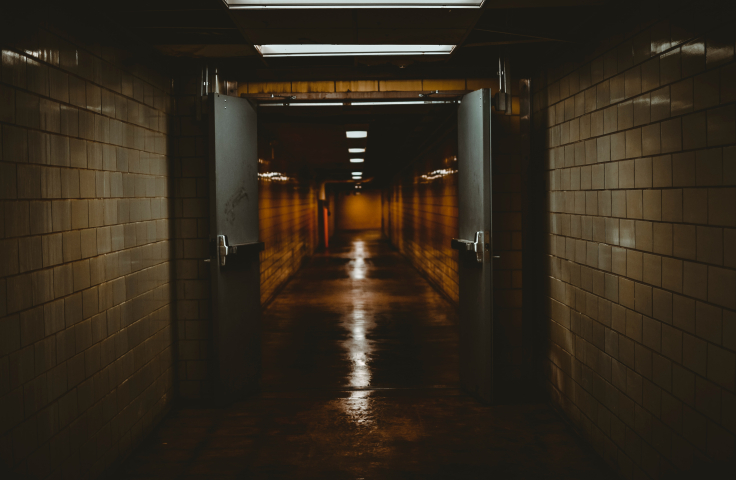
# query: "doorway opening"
x,y
321,169
357,317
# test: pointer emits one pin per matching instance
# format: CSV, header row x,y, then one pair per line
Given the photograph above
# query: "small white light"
x,y
329,50
356,150
356,160
357,177
356,134
357,173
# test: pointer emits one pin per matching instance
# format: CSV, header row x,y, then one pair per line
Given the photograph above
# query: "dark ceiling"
x,y
207,29
312,139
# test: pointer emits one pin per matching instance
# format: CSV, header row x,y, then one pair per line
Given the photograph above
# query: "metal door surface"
x,y
475,244
234,262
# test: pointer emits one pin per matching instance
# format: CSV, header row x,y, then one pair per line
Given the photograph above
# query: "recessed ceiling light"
x,y
356,150
357,177
356,134
266,4
356,160
345,50
357,173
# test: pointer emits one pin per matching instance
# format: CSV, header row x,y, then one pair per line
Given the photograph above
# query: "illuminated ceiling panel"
x,y
346,50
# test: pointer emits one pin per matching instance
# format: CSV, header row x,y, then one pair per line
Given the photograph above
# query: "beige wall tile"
x,y
641,110
671,311
721,286
662,238
634,264
660,104
634,207
685,239
672,274
695,205
672,205
634,143
720,206
693,131
644,236
671,135
662,171
710,245
721,125
695,278
652,204
681,95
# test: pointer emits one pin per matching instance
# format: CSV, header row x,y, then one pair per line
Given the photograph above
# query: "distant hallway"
x,y
360,380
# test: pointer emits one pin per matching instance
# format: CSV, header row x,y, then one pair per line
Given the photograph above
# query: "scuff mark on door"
x,y
233,202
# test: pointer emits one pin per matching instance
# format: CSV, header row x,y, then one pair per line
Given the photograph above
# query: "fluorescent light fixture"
x,y
356,134
345,50
266,4
325,104
357,173
358,104
357,177
356,150
356,160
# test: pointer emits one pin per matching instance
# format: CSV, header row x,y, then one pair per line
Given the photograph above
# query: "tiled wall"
x,y
641,268
85,271
423,214
288,225
190,197
512,337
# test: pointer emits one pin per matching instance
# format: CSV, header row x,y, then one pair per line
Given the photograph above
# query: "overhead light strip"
x,y
322,4
330,50
356,134
359,104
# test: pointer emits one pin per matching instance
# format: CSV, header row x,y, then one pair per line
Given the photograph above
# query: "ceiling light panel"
x,y
356,160
351,50
356,134
266,4
358,103
358,173
356,150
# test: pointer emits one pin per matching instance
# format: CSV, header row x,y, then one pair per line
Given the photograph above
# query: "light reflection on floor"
x,y
358,267
358,407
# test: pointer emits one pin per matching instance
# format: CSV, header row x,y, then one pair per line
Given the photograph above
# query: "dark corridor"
x,y
360,381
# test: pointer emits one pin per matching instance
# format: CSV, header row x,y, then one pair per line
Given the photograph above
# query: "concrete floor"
x,y
360,381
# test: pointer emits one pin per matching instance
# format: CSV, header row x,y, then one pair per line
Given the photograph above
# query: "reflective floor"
x,y
360,381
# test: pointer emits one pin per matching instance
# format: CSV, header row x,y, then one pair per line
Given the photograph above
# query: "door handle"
x,y
478,246
225,250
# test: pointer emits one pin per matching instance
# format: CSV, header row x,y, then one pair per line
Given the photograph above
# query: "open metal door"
x,y
234,262
475,244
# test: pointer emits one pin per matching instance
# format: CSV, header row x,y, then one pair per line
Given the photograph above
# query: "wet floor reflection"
x,y
357,345
360,369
